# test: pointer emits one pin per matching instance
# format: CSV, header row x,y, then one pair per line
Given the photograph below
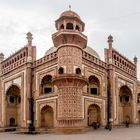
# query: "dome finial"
x,y
69,7
135,60
110,41
29,38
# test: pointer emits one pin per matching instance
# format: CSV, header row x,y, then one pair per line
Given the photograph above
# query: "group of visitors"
x,y
95,125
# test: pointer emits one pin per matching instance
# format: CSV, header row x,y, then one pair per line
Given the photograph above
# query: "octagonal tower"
x,y
70,42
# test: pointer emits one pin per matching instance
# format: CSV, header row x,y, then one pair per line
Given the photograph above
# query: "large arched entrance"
x,y
47,117
94,114
13,106
125,105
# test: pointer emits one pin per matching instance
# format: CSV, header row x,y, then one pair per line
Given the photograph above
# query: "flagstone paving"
x,y
132,133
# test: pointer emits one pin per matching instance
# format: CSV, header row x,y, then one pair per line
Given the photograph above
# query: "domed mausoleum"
x,y
70,88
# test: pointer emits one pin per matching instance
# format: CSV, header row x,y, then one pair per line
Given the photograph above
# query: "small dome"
x,y
70,13
92,52
51,50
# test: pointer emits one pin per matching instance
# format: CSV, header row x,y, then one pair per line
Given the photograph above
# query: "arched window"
x,y
21,55
77,28
69,26
125,63
18,57
12,60
120,60
94,85
78,71
13,95
62,26
114,56
125,95
24,54
61,70
46,84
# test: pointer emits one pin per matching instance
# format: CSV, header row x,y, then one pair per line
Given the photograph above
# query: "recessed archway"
x,y
93,85
12,122
46,85
125,105
13,106
94,114
47,117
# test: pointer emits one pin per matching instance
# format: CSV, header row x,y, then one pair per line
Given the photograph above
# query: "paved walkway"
x,y
132,133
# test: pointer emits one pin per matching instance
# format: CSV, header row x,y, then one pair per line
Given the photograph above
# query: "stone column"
x,y
2,101
110,81
30,112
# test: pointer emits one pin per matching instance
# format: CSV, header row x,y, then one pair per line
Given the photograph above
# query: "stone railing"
x,y
124,68
14,61
15,65
94,60
45,59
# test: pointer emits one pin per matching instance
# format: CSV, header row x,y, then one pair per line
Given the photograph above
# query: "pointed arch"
x,y
77,28
61,70
69,26
47,117
94,114
93,85
46,85
78,71
62,26
13,94
13,106
12,122
125,104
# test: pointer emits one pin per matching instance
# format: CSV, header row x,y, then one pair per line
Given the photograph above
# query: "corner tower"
x,y
70,41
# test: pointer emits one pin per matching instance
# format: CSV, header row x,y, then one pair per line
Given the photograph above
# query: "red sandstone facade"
x,y
70,87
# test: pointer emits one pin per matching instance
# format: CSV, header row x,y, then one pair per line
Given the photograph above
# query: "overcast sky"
x,y
120,18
